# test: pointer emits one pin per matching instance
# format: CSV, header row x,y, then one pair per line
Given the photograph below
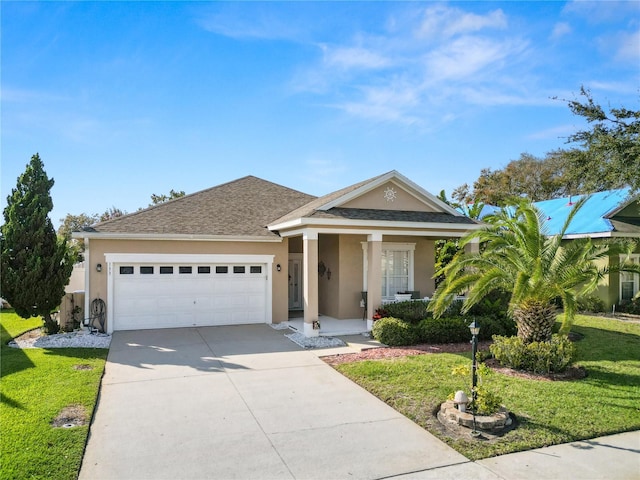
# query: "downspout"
x,y
87,277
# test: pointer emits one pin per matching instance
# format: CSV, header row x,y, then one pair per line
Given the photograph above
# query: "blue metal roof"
x,y
590,219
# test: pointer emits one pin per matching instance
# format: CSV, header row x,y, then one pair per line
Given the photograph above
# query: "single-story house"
x,y
251,251
607,214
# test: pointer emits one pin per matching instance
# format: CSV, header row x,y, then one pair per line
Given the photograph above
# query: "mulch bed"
x,y
396,352
572,373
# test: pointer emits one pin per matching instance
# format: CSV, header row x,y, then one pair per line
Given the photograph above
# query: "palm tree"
x,y
517,256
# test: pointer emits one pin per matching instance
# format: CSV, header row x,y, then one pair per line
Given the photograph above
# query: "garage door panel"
x,y
180,300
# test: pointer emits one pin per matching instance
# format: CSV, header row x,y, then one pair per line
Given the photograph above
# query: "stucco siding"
x,y
351,275
375,199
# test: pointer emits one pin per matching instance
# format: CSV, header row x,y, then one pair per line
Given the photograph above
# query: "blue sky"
x,y
126,99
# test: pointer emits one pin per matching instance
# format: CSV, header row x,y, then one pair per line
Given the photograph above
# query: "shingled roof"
x,y
392,215
308,209
243,207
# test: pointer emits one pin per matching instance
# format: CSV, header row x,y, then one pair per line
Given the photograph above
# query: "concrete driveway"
x,y
246,402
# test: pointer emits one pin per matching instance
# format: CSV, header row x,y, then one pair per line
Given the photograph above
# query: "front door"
x,y
295,283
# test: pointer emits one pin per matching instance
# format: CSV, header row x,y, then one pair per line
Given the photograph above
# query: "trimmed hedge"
x,y
630,306
591,303
410,311
394,332
443,330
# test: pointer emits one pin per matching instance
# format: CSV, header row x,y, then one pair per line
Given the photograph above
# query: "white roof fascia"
x,y
355,231
383,179
573,236
176,236
330,222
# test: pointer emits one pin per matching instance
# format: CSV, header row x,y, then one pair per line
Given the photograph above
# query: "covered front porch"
x,y
329,327
358,248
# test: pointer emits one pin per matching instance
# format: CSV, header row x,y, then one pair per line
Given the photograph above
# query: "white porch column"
x,y
374,276
310,284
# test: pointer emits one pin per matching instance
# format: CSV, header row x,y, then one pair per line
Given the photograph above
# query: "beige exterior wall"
x,y
375,199
339,296
351,272
329,283
98,248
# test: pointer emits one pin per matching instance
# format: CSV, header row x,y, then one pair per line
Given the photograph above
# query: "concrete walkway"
x,y
245,402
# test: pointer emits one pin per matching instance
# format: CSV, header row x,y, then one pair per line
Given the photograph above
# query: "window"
x,y
629,282
185,269
395,272
396,268
146,270
204,269
255,269
126,270
166,270
222,269
239,269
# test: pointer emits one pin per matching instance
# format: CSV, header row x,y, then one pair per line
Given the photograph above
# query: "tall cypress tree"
x,y
36,265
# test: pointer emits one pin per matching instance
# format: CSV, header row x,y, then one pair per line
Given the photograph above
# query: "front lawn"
x,y
36,386
605,402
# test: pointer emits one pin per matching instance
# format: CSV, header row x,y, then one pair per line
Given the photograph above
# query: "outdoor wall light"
x,y
99,267
278,267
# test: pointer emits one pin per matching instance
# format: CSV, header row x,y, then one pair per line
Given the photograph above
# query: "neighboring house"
x,y
608,214
250,251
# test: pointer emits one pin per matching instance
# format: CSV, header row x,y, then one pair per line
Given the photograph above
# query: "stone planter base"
x,y
449,414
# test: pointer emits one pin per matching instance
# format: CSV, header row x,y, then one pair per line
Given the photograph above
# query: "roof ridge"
x,y
187,196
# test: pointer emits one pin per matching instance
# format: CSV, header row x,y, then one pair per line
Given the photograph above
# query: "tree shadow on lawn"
x,y
598,345
13,359
602,377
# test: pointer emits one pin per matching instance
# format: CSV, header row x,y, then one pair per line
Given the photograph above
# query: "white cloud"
x,y
603,11
353,57
469,56
389,103
560,131
234,22
560,30
628,48
442,21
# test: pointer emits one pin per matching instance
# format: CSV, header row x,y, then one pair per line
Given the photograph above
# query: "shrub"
x,y
487,401
630,306
537,357
494,305
591,303
496,325
411,311
394,332
443,330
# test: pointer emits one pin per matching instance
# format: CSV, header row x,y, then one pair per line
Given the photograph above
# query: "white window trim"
x,y
635,258
389,246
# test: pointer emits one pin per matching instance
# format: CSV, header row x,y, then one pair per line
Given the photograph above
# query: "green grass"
x,y
35,386
607,401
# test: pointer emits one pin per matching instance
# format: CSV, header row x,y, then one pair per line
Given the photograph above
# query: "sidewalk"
x,y
615,457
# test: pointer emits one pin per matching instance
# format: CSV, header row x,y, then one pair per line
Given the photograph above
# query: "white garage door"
x,y
164,294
